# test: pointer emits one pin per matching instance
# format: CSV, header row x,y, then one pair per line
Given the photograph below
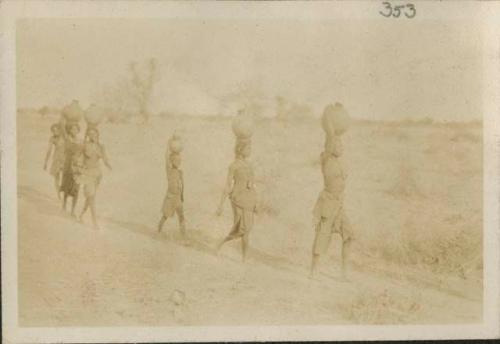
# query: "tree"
x,y
44,111
130,94
142,84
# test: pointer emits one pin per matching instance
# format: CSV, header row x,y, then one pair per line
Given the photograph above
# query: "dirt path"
x,y
126,274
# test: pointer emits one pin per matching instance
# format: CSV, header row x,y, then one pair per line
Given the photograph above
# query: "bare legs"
x,y
315,255
74,199
244,246
182,222
345,252
344,255
57,185
161,223
220,244
324,231
314,263
231,234
70,189
236,234
90,203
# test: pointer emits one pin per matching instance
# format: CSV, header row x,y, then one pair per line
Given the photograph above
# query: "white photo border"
x,y
11,11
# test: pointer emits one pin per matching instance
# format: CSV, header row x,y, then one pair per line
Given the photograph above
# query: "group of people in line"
x,y
74,165
239,188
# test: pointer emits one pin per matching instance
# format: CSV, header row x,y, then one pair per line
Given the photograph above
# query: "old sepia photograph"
x,y
227,165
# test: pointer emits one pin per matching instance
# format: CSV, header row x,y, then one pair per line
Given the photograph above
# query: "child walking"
x,y
174,199
56,146
93,151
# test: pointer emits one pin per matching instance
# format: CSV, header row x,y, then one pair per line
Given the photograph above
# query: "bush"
x,y
465,136
405,185
384,307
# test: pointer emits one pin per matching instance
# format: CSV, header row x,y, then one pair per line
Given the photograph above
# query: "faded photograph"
x,y
184,172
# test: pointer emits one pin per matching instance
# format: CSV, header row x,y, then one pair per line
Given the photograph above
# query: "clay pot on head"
x,y
335,119
72,112
243,126
175,144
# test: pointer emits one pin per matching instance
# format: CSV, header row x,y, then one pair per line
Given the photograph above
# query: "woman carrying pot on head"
x,y
241,191
329,216
71,166
70,128
92,153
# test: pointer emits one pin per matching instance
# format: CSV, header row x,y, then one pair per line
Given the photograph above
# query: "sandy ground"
x,y
414,198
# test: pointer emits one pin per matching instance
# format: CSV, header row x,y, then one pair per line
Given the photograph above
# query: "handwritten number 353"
x,y
395,11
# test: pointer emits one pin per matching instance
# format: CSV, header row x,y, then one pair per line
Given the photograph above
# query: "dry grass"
x,y
414,194
382,307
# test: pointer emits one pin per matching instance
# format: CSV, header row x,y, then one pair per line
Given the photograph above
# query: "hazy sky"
x,y
377,69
